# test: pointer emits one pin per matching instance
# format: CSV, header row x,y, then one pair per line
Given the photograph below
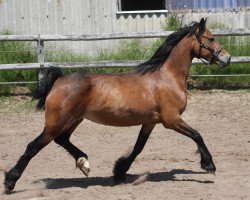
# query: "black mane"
x,y
163,52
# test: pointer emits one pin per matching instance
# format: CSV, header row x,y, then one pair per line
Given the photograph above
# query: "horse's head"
x,y
205,46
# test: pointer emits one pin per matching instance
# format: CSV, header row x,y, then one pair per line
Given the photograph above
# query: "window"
x,y
132,5
139,6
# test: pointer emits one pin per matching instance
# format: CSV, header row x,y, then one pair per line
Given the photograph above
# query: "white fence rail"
x,y
41,39
111,36
98,64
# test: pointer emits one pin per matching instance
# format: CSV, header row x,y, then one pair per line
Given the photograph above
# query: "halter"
x,y
215,52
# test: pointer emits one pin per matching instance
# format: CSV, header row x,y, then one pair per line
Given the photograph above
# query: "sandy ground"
x,y
168,167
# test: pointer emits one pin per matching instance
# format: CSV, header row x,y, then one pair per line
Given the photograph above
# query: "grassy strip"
x,y
24,52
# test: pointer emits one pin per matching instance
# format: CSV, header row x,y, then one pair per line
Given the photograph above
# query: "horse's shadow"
x,y
60,183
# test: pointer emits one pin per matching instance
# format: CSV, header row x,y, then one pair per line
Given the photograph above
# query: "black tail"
x,y
46,84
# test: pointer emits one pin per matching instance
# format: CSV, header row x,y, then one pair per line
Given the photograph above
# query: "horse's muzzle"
x,y
223,60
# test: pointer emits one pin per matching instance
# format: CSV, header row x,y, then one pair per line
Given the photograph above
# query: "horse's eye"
x,y
211,39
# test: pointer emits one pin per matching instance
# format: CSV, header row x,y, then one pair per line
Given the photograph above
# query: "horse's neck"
x,y
179,62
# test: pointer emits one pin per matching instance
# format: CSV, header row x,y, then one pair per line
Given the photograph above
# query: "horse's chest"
x,y
175,101
182,103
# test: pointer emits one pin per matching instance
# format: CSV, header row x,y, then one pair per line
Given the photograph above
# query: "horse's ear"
x,y
202,24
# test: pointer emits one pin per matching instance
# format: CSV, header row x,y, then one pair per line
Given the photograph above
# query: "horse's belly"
x,y
128,118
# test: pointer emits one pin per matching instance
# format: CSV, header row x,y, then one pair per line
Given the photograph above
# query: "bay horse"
x,y
156,92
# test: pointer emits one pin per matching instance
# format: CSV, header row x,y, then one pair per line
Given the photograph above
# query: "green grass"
x,y
16,52
132,50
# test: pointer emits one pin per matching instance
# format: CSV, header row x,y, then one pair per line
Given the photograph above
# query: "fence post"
x,y
41,59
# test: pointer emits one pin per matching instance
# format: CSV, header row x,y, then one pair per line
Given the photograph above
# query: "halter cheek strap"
x,y
215,52
200,45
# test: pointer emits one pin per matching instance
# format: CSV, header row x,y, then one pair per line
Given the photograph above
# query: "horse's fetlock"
x,y
121,166
11,175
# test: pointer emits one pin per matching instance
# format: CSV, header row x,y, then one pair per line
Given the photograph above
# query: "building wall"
x,y
65,17
208,5
223,20
73,17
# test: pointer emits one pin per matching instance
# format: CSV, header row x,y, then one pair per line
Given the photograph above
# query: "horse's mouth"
x,y
222,61
221,64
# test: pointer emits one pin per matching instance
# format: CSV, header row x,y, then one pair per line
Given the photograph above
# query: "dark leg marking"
x,y
206,158
123,164
63,140
80,157
32,149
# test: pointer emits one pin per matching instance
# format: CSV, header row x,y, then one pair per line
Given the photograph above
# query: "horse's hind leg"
x,y
123,164
32,149
80,157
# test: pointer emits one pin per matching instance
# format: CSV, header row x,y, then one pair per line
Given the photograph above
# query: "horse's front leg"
x,y
123,164
206,158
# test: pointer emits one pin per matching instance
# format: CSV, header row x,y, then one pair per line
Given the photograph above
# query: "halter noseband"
x,y
215,52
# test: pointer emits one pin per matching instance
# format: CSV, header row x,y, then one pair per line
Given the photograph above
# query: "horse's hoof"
x,y
83,164
209,167
9,184
8,188
119,178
